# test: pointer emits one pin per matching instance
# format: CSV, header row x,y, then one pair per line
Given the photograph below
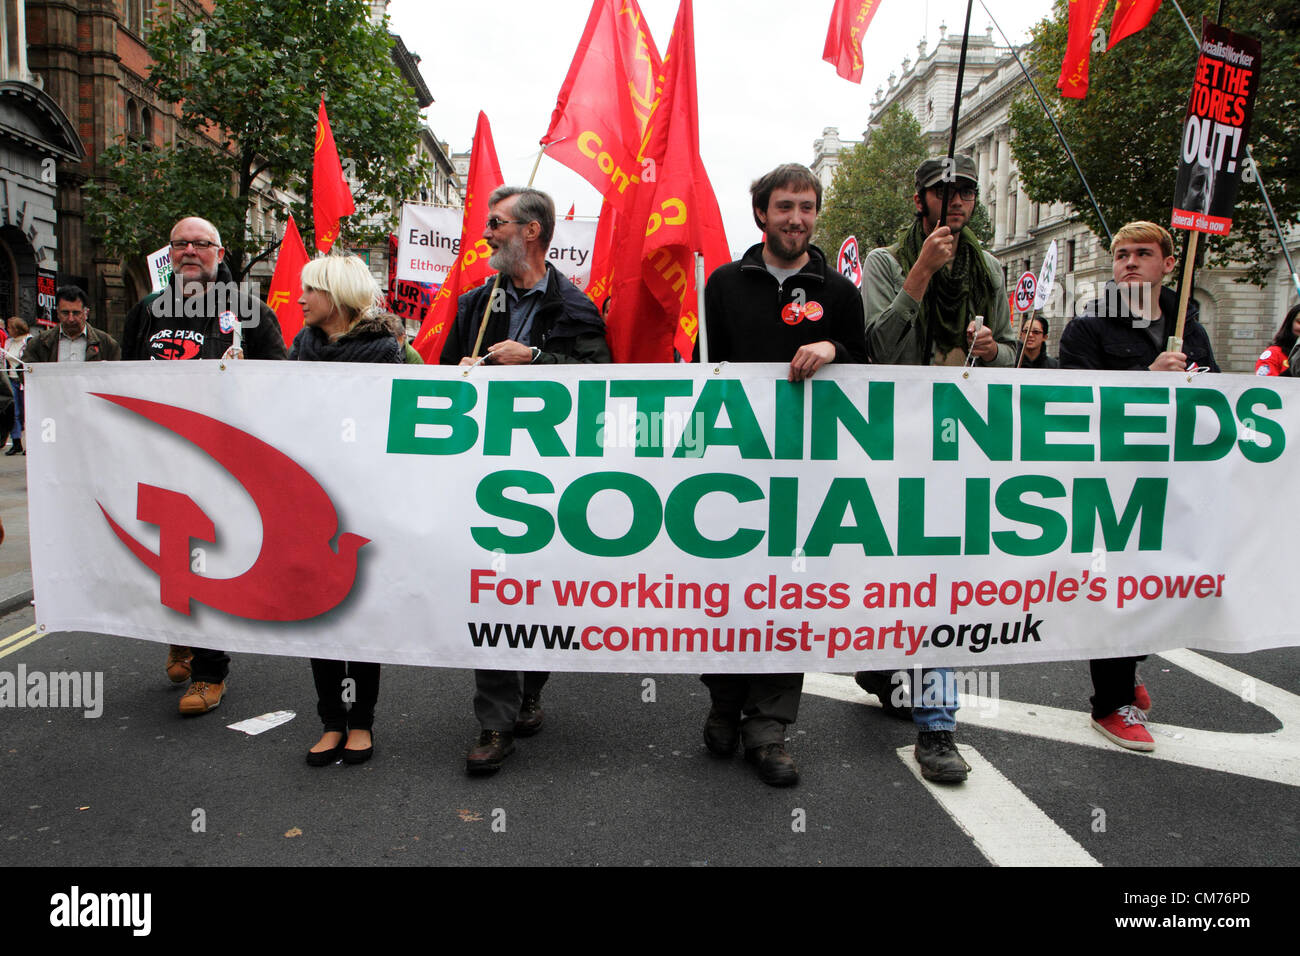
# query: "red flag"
x,y
849,21
601,116
471,266
331,199
286,282
1084,17
602,256
655,304
1130,17
569,215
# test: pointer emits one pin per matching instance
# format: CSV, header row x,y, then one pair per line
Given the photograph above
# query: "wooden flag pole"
x,y
496,282
1175,343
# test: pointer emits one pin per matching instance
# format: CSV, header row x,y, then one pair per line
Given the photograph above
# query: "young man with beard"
x,y
922,296
781,302
535,316
194,317
1128,329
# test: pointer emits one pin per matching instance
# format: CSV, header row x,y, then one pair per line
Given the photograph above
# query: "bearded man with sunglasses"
x,y
533,316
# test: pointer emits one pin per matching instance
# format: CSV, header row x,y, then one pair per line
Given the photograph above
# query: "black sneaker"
x,y
881,683
775,766
936,752
722,732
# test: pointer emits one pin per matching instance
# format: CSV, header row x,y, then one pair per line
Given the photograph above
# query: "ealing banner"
x,y
660,518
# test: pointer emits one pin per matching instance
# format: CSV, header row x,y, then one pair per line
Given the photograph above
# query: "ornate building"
x,y
1240,318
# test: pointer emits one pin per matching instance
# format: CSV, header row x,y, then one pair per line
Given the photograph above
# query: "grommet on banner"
x,y
222,366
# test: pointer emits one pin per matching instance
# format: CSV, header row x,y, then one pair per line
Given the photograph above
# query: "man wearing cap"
x,y
921,297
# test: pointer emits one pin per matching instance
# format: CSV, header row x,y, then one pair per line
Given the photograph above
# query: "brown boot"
x,y
178,663
202,697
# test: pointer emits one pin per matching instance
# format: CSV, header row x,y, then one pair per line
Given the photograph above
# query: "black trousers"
x,y
333,710
209,665
1113,679
767,703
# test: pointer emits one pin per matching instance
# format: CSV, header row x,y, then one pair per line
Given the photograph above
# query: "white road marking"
x,y
1274,756
1005,825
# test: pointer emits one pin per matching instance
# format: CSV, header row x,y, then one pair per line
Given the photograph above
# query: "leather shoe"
x,y
202,697
178,663
530,716
323,758
722,732
881,683
486,756
936,752
356,755
775,766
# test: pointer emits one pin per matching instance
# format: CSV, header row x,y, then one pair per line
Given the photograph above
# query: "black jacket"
x,y
1106,336
567,327
751,317
163,325
370,339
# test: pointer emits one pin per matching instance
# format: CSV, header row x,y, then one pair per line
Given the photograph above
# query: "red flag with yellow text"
x,y
599,125
286,282
849,21
331,199
602,256
1084,17
471,266
1130,17
655,306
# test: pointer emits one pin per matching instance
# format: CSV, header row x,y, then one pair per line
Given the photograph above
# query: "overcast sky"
x,y
764,92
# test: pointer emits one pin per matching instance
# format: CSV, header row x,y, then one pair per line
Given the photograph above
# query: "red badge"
x,y
813,311
792,314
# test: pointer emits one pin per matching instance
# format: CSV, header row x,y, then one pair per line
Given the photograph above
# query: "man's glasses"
x,y
203,245
494,223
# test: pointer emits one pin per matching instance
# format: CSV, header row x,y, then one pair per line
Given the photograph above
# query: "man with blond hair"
x,y
1129,329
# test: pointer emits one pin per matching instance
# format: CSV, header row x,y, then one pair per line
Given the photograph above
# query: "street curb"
x,y
15,591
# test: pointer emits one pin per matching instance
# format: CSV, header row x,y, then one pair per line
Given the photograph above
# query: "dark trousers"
x,y
1113,679
209,665
498,694
767,703
333,711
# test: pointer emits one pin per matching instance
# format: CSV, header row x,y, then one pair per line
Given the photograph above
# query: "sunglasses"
x,y
494,223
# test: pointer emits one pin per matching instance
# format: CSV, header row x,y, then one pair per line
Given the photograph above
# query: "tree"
x,y
249,76
1126,133
871,194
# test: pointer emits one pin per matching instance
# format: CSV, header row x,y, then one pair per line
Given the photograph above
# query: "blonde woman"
x,y
343,323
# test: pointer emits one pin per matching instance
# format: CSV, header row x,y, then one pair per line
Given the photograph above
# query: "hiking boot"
x,y
775,766
530,716
202,697
491,750
178,663
936,752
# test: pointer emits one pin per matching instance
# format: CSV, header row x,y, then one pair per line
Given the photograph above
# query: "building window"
x,y
1069,256
138,15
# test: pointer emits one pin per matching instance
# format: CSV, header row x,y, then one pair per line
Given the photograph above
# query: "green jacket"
x,y
895,334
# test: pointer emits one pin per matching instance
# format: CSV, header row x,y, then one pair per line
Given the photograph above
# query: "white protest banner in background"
x,y
160,268
571,247
428,242
663,518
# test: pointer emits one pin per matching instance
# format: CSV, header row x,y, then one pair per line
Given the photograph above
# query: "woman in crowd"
x,y
1274,361
19,333
342,322
1033,345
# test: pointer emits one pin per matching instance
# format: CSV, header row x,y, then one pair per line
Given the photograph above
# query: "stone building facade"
x,y
1240,318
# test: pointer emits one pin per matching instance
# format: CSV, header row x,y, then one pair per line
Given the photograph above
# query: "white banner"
x,y
160,268
664,518
571,248
428,242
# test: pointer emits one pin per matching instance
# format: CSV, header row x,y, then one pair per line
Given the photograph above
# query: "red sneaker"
x,y
1141,699
1126,727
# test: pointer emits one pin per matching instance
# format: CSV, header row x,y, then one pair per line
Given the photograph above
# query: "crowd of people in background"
x,y
935,297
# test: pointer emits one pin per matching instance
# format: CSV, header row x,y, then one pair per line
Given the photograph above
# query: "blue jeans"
x,y
941,700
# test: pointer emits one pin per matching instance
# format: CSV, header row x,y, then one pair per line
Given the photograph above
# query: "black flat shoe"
x,y
323,758
358,756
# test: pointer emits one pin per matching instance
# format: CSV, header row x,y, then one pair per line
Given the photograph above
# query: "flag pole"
x,y
1052,119
956,111
496,282
700,332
